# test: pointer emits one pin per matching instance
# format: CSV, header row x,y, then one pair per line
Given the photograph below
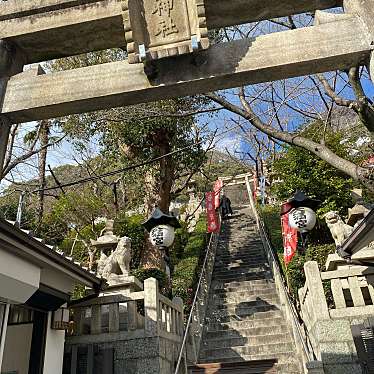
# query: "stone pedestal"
x,y
335,348
122,284
125,285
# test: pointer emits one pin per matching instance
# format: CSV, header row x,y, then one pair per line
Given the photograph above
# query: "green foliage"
x,y
301,170
294,272
142,274
186,267
180,241
80,239
132,228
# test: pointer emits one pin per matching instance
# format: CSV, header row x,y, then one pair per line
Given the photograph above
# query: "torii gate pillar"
x,y
11,63
365,10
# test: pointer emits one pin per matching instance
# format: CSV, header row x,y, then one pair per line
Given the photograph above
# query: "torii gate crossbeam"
x,y
47,29
37,30
267,58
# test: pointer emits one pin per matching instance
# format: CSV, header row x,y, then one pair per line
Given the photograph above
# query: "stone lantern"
x,y
161,228
106,244
302,217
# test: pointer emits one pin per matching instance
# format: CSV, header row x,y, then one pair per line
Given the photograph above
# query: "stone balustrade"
x,y
128,328
331,321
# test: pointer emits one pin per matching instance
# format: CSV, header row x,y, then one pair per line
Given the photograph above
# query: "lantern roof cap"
x,y
300,199
159,218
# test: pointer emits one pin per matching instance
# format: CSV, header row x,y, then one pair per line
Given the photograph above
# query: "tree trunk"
x,y
159,184
43,138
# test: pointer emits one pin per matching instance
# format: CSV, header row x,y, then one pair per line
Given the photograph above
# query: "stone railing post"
x,y
180,317
316,294
151,307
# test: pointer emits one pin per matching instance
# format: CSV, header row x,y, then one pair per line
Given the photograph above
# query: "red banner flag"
x,y
213,223
289,240
217,192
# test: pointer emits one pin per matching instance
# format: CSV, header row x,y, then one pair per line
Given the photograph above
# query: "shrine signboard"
x,y
156,29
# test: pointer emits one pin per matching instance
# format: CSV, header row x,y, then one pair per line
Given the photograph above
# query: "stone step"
x,y
245,341
241,367
281,357
241,279
253,314
241,245
233,265
242,310
292,367
243,285
239,260
240,301
245,351
247,332
240,269
249,294
257,273
246,242
272,321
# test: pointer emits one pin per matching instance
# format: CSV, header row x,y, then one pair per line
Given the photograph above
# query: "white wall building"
x,y
35,283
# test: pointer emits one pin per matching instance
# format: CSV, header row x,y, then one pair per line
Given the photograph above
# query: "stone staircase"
x,y
244,319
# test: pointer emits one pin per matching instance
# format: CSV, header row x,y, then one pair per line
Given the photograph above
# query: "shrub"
x,y
187,266
142,274
294,272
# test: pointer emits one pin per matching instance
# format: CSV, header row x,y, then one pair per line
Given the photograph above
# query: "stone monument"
x,y
116,266
340,231
157,29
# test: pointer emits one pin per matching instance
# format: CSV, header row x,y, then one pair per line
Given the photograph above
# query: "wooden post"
x,y
96,319
79,315
151,307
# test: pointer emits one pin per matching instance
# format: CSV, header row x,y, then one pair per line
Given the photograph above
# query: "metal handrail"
x,y
308,352
212,240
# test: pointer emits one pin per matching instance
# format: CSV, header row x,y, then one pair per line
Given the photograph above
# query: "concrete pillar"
x,y
151,307
11,63
365,10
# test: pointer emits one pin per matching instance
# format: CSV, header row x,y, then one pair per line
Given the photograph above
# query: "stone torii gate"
x,y
170,38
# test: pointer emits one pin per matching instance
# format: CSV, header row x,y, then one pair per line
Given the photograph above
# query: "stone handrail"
x,y
352,293
143,313
303,346
312,297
